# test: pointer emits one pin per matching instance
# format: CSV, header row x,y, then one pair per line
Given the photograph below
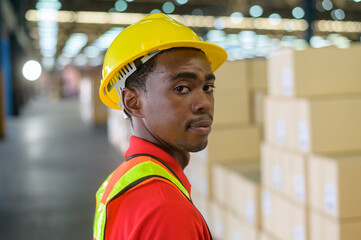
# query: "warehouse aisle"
x,y
50,167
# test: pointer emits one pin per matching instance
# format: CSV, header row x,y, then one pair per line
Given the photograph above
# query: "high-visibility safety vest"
x,y
132,173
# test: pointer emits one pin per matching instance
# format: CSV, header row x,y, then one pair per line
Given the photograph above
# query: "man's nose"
x,y
203,102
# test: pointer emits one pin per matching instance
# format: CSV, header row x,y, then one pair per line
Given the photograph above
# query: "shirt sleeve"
x,y
171,220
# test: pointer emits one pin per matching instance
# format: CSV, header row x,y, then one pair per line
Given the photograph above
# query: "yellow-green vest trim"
x,y
134,176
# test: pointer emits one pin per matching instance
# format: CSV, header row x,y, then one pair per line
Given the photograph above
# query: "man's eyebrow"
x,y
209,77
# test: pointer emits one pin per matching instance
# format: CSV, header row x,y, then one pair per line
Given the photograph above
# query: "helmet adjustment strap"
x,y
119,78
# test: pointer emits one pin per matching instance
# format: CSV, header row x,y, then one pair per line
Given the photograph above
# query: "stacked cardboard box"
x,y
237,197
92,110
119,130
233,143
310,113
335,195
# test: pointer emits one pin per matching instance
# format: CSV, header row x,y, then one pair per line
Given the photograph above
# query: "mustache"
x,y
207,117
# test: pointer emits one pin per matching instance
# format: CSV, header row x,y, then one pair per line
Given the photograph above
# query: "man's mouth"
x,y
202,125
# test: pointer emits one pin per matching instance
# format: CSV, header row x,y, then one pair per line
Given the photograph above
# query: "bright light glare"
x,y
197,12
168,7
155,11
298,12
338,14
327,5
31,70
236,17
274,19
181,2
121,5
256,11
219,24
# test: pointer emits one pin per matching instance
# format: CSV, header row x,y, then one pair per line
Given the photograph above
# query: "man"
x,y
161,75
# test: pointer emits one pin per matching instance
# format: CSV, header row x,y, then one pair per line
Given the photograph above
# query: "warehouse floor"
x,y
50,167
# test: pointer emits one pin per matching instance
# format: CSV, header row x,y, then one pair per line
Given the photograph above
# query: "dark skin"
x,y
176,110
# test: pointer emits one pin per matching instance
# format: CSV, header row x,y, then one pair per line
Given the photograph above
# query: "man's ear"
x,y
131,102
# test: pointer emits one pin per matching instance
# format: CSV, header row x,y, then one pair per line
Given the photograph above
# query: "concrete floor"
x,y
51,165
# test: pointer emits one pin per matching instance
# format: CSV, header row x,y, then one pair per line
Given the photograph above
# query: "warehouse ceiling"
x,y
351,9
210,7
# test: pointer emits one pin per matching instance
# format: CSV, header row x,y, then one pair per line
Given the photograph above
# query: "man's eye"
x,y
182,89
208,88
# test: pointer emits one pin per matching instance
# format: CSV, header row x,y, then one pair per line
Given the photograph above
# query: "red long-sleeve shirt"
x,y
155,210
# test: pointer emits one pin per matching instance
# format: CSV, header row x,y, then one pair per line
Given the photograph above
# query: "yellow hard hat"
x,y
138,43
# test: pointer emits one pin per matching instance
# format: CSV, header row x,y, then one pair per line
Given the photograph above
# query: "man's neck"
x,y
181,156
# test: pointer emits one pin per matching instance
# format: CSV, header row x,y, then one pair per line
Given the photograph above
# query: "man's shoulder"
x,y
152,198
157,191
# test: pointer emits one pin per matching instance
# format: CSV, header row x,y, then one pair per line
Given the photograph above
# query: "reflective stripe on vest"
x,y
127,176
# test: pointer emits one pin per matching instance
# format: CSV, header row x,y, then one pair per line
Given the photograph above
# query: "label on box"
x,y
304,136
330,198
281,131
236,235
299,233
299,188
287,82
277,177
250,211
266,204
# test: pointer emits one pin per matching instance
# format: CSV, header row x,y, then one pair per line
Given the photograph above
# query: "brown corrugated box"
x,y
257,73
235,143
314,72
232,106
218,224
335,185
92,110
319,125
279,121
238,229
241,191
282,218
232,75
257,106
285,171
323,227
232,99
275,169
328,125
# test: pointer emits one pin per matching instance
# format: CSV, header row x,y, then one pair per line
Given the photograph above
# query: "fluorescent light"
x,y
327,5
192,21
274,19
168,7
256,11
104,41
298,12
74,44
236,17
31,70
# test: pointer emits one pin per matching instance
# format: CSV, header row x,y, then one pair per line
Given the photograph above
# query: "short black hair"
x,y
137,79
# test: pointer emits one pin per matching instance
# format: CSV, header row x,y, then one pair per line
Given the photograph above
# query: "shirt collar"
x,y
141,146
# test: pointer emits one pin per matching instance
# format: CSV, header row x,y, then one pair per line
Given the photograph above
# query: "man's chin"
x,y
195,147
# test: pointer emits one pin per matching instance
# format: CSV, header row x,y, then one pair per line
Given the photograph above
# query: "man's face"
x,y
178,104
